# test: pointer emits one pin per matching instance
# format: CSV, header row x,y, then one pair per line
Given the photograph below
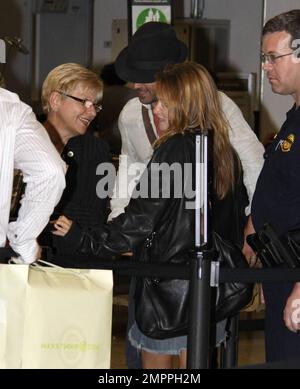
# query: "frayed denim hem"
x,y
171,346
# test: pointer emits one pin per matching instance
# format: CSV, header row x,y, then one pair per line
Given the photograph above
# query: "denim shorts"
x,y
170,346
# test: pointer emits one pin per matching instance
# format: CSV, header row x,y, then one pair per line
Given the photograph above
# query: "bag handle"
x,y
148,126
59,269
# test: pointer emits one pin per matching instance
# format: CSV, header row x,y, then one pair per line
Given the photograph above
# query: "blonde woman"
x,y
71,98
159,226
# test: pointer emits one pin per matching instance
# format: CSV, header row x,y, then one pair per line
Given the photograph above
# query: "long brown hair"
x,y
192,99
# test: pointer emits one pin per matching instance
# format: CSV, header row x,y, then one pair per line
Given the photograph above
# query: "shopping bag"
x,y
13,284
64,320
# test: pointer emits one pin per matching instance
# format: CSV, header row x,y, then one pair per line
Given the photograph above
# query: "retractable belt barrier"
x,y
130,268
197,349
181,272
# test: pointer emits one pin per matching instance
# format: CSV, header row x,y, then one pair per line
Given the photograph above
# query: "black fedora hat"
x,y
152,46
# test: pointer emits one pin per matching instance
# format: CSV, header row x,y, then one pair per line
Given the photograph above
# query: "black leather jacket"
x,y
161,228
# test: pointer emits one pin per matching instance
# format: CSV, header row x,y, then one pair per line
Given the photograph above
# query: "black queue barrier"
x,y
196,350
197,347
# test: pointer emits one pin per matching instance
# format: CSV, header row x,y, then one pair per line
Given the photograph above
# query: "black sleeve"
x,y
142,213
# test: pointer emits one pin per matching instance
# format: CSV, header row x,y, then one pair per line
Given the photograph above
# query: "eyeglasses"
x,y
87,103
271,58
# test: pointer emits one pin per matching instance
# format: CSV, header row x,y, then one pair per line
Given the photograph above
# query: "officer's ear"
x,y
297,53
296,47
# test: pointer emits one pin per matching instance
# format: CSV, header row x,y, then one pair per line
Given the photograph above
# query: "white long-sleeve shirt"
x,y
136,148
25,145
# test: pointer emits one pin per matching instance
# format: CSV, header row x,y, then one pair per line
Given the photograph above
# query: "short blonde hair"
x,y
65,78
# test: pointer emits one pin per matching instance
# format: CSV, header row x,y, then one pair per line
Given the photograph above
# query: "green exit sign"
x,y
141,12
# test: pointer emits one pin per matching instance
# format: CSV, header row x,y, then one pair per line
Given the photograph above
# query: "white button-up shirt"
x,y
25,145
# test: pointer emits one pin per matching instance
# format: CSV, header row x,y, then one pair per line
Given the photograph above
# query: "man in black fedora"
x,y
152,47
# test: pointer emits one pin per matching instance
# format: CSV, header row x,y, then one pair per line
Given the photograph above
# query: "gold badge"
x,y
287,144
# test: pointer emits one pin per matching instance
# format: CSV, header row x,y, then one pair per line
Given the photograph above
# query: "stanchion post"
x,y
199,313
200,266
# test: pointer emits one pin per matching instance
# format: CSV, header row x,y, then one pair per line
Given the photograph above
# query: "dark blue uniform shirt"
x,y
277,195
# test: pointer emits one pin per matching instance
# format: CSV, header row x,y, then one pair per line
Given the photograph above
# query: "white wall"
x,y
245,25
245,17
15,18
273,106
104,12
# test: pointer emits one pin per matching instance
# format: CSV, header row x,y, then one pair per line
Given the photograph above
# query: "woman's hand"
x,y
62,225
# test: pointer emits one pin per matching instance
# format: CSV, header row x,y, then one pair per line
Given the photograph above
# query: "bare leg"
x,y
156,361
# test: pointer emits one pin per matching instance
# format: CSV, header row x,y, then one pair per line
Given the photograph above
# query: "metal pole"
x,y
200,267
129,19
199,317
